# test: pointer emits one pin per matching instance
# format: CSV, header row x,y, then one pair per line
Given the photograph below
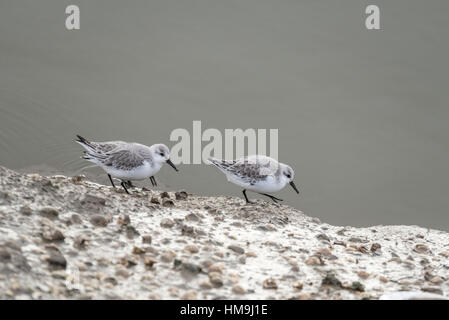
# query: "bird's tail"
x,y
86,144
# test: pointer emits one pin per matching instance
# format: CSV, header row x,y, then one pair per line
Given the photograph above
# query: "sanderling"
x,y
257,173
127,161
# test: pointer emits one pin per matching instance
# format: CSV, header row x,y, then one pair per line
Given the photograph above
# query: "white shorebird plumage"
x,y
126,161
257,173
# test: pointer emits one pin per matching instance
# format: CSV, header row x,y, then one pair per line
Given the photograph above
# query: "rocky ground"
x,y
68,238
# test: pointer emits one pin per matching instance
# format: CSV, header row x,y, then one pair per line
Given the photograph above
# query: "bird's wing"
x,y
248,169
123,159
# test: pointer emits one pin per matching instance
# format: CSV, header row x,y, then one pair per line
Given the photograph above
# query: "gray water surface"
x,y
362,115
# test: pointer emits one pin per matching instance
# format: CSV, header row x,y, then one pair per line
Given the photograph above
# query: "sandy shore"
x,y
68,238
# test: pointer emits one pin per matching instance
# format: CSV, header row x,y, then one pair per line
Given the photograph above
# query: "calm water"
x,y
362,115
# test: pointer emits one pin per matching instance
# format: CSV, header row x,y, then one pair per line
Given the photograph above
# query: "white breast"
x,y
138,173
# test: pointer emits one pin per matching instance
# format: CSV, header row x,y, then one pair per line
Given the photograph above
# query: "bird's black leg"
x,y
124,186
275,200
153,181
110,179
246,198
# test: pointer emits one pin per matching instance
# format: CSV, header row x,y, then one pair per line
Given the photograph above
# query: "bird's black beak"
x,y
171,164
294,187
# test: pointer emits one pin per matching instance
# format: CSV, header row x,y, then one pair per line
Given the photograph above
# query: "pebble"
x,y
155,200
375,247
421,248
76,219
191,248
49,212
331,280
181,195
215,279
164,195
26,210
314,261
236,249
206,285
167,223
270,284
192,217
363,274
168,203
99,221
238,289
57,260
189,295
298,285
168,256
146,239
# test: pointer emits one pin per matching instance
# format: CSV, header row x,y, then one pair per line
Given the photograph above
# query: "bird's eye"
x,y
161,154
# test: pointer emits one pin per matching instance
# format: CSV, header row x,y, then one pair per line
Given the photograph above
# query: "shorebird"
x,y
257,173
126,161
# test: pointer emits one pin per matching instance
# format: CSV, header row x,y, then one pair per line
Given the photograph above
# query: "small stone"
x,y
168,203
314,261
189,295
270,284
301,296
444,254
242,259
122,272
99,221
149,262
4,255
331,280
167,223
92,201
383,279
432,290
57,260
375,247
124,220
111,280
238,289
323,236
164,195
215,279
77,179
155,200
131,232
206,285
80,243
236,249
181,195
298,285
217,267
26,210
53,235
421,248
436,280
137,250
251,254
168,256
146,239
363,274
357,286
192,217
76,219
49,212
191,248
